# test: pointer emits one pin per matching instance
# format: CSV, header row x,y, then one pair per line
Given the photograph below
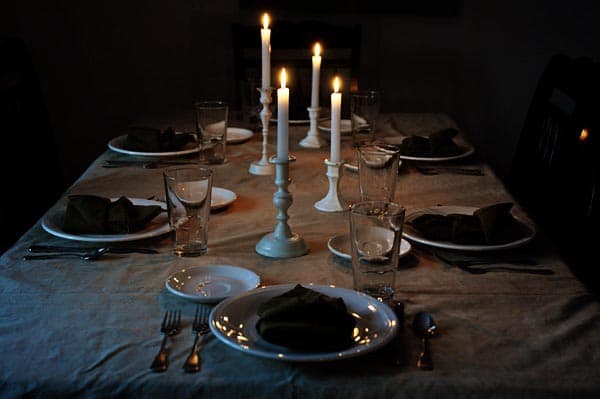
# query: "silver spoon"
x,y
424,327
92,255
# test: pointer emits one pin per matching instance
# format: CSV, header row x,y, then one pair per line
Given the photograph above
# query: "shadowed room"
x,y
293,185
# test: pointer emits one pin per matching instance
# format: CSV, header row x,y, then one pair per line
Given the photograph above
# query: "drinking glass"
x,y
211,126
378,171
375,234
188,191
364,112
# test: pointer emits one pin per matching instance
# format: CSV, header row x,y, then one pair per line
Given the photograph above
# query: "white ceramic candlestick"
x,y
313,139
282,243
262,166
331,202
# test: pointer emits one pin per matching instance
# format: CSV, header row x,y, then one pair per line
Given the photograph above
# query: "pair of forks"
x,y
171,326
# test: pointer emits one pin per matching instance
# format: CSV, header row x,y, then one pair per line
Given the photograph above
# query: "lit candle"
x,y
336,105
265,36
283,103
316,63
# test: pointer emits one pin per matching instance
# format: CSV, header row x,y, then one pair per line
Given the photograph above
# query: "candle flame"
x,y
265,21
283,77
317,49
584,134
336,84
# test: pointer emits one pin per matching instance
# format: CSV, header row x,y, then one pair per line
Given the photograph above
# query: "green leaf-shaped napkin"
x,y
147,139
491,225
438,144
91,214
304,319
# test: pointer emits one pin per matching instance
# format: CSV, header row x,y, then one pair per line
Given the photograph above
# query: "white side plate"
x,y
212,283
340,246
345,126
221,197
237,135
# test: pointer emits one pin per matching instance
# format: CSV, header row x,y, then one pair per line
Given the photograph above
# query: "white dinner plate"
x,y
211,283
467,149
233,322
53,223
345,126
236,135
118,145
340,246
221,197
413,234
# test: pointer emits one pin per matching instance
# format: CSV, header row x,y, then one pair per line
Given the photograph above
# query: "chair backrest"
x,y
31,175
291,47
555,172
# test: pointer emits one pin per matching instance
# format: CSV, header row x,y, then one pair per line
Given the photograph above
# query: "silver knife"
x,y
141,162
116,250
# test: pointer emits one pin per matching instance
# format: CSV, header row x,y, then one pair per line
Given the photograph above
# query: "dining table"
x,y
80,328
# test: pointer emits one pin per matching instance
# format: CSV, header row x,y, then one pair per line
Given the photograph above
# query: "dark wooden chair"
x,y
291,47
555,172
31,176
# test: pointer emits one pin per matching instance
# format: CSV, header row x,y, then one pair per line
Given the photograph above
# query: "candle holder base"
x,y
281,247
312,142
313,139
260,169
331,202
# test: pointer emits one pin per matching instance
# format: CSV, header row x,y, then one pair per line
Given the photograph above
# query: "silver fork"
x,y
199,328
169,327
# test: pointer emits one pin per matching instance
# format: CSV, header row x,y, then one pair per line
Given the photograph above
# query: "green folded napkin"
x,y
147,139
490,225
438,144
304,319
91,214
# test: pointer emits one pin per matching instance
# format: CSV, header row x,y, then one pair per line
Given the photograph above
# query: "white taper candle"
x,y
265,36
336,105
316,71
283,103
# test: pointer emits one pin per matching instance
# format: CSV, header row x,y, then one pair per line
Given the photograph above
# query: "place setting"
x,y
92,218
438,146
489,228
152,142
477,240
303,323
97,219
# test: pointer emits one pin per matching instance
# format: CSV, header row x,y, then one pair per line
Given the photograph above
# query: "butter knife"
x,y
115,250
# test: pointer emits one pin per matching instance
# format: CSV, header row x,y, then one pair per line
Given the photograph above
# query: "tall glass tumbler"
x,y
211,127
188,190
364,112
378,171
375,235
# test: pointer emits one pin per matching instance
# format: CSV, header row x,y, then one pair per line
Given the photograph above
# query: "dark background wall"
x,y
103,65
